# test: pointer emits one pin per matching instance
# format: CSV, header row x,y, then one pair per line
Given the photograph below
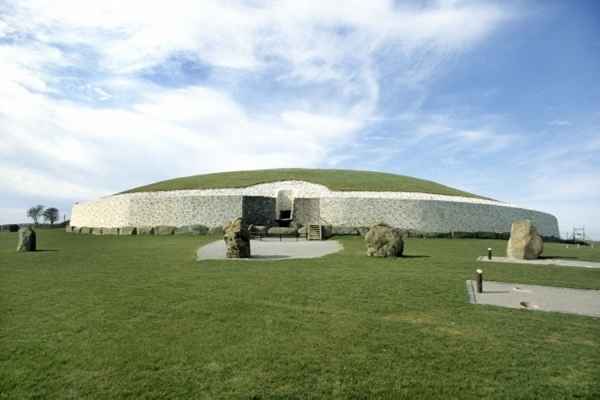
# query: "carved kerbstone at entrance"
x,y
27,239
237,239
524,242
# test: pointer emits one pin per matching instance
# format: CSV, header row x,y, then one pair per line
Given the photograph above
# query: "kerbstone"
x,y
145,230
283,231
163,230
127,231
196,229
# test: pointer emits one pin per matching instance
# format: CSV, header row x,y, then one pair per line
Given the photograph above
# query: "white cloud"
x,y
136,34
142,132
559,122
26,182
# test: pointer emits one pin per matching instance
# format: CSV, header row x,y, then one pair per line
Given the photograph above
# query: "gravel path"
x,y
273,249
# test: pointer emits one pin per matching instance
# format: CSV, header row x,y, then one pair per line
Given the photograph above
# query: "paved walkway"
x,y
533,297
562,262
274,249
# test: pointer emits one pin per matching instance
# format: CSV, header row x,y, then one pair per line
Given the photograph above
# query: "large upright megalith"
x,y
384,241
27,239
524,243
237,239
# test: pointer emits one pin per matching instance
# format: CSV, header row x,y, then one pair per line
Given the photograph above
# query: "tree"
x,y
35,212
51,214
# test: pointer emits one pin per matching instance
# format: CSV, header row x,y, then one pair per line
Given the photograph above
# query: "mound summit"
x,y
333,179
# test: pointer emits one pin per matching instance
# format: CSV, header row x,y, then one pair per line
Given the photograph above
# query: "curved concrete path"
x,y
273,249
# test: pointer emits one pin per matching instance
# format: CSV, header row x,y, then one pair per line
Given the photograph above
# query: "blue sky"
x,y
497,98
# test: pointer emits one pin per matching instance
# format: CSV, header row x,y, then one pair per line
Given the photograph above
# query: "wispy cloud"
x,y
559,122
283,83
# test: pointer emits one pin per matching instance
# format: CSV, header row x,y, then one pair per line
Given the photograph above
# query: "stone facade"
x,y
307,211
311,203
258,210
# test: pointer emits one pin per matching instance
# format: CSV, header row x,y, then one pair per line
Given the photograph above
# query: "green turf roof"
x,y
334,179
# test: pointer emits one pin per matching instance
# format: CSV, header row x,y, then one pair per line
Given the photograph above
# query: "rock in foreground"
x,y
524,243
384,241
237,239
27,239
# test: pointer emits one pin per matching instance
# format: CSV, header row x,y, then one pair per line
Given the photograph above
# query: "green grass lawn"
x,y
137,317
334,179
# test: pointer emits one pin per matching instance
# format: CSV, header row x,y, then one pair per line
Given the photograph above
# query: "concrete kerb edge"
x,y
471,291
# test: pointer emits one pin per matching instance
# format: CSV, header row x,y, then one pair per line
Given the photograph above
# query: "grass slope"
x,y
343,180
137,317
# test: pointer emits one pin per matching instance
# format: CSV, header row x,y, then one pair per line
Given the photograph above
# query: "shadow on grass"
x,y
45,250
557,258
414,256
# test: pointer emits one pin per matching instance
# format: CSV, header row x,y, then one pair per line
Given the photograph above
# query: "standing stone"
x,y
384,241
524,242
27,239
237,239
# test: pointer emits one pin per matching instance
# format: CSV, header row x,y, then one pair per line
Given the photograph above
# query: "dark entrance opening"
x,y
285,214
285,217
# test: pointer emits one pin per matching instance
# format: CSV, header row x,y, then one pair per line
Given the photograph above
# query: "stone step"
x,y
315,232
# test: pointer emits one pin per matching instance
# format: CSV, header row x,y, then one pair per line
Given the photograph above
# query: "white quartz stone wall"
x,y
416,211
432,215
107,212
148,210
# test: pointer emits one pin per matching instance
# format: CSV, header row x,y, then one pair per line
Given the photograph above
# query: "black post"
x,y
489,253
479,281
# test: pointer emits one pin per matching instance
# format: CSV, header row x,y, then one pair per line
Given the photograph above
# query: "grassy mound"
x,y
136,317
334,179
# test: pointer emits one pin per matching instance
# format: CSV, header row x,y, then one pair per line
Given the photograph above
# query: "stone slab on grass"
x,y
561,262
536,298
273,249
